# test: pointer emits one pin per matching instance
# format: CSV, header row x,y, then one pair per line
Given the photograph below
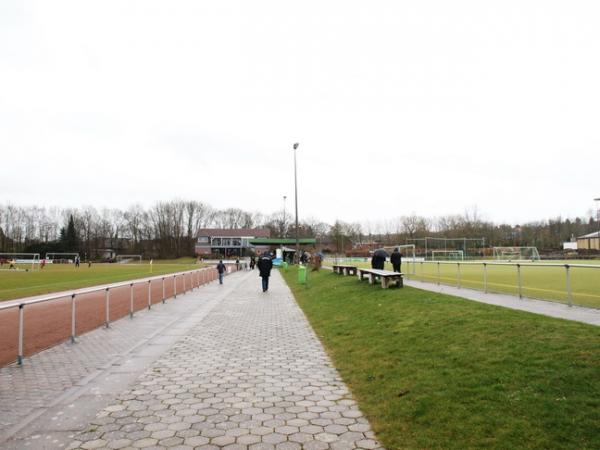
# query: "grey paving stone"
x,y
250,375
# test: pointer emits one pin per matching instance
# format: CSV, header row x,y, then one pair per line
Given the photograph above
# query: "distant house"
x,y
589,241
230,242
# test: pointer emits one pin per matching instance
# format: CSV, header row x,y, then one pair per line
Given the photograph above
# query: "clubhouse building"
x,y
232,242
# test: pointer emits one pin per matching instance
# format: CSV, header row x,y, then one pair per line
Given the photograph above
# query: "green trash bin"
x,y
285,266
302,274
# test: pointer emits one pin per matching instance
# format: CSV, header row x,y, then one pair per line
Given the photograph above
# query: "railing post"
x,y
569,291
438,270
107,322
184,287
520,281
20,349
458,275
485,281
149,295
174,286
163,289
72,318
131,301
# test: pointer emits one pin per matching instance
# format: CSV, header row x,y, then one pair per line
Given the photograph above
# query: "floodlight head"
x,y
296,145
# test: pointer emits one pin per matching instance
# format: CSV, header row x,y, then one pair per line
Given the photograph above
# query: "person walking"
x,y
221,269
252,262
265,264
396,259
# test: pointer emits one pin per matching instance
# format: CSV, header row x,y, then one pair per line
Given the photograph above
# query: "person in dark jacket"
x,y
252,262
377,261
221,269
396,259
265,264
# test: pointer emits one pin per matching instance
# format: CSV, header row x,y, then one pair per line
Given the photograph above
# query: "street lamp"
x,y
297,255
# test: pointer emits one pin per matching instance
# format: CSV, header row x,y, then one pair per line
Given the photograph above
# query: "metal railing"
x,y
519,284
197,278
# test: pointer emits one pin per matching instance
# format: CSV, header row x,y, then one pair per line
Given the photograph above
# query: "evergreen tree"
x,y
68,237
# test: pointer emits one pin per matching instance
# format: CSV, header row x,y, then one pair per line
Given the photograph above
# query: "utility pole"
x,y
297,255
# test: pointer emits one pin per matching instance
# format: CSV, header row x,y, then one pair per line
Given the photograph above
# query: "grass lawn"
x,y
60,277
538,282
435,371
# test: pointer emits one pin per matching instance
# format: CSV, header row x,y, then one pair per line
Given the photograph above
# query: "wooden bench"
x,y
386,276
344,269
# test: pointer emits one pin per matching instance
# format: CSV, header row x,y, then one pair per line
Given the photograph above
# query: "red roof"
x,y
235,232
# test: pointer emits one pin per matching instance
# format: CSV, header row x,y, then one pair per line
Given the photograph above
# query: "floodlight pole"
x,y
297,255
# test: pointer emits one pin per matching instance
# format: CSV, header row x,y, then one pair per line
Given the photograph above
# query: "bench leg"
x,y
400,282
371,278
384,282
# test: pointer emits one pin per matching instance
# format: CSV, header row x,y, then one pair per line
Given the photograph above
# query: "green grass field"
x,y
60,277
538,282
435,371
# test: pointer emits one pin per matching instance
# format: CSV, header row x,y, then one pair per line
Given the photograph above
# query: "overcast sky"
x,y
400,107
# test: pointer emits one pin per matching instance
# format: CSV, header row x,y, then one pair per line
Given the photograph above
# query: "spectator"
x,y
265,264
396,259
221,269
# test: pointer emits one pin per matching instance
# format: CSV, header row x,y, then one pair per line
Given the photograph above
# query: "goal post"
x,y
19,261
516,253
125,259
447,255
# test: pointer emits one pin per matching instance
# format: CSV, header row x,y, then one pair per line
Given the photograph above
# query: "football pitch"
x,y
547,282
61,277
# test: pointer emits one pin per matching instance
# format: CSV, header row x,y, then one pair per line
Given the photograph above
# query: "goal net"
x,y
516,253
61,258
447,255
128,259
19,261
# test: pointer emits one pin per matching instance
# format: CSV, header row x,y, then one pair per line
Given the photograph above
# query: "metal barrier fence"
x,y
556,286
196,278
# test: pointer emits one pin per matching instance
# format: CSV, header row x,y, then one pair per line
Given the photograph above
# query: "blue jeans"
x,y
221,278
265,283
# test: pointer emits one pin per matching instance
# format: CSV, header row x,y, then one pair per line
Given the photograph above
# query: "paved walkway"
x,y
231,367
553,309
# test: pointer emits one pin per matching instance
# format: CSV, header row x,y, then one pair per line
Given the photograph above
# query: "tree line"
x,y
169,229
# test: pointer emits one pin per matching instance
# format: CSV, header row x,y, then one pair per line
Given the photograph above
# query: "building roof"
x,y
282,241
590,235
235,232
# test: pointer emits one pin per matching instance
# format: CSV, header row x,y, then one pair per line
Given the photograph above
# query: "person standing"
x,y
252,262
221,269
396,259
265,264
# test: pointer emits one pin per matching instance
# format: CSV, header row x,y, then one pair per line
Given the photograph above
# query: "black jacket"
x,y
377,262
264,264
396,258
221,268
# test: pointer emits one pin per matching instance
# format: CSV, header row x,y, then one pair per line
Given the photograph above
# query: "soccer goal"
x,y
516,253
447,255
19,261
128,259
61,258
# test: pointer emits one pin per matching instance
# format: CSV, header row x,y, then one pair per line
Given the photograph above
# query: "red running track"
x,y
49,323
